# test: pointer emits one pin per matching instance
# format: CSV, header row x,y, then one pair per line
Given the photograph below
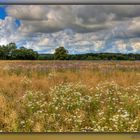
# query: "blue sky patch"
x,y
2,12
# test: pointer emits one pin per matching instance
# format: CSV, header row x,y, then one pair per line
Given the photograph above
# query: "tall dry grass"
x,y
37,79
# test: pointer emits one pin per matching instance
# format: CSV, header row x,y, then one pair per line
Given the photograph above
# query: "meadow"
x,y
69,96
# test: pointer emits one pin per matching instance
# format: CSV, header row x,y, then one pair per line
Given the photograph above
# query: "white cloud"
x,y
80,28
8,31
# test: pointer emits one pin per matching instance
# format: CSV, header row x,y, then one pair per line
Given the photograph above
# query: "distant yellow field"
x,y
70,96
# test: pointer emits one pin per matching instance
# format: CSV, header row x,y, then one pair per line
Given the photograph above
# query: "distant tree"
x,y
2,56
24,54
89,58
6,50
61,53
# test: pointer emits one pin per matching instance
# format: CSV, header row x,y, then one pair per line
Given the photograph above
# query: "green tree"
x,y
89,58
24,54
6,50
61,53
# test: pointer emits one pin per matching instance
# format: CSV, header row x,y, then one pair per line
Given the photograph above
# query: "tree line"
x,y
11,52
62,54
93,56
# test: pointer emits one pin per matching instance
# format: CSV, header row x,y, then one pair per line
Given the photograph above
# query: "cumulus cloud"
x,y
80,28
8,31
54,18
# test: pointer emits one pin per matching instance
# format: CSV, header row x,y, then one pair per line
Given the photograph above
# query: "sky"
x,y
79,28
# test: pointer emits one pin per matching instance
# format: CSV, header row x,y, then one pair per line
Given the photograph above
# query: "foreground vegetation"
x,y
69,96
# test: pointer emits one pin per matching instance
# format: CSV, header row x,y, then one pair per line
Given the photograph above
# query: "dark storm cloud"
x,y
79,18
59,17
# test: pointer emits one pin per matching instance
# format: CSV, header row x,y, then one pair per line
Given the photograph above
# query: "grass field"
x,y
69,96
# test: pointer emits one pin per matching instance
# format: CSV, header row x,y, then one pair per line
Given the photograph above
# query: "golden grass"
x,y
19,77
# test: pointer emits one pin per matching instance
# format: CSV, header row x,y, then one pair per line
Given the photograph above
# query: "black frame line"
x,y
71,2
77,3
